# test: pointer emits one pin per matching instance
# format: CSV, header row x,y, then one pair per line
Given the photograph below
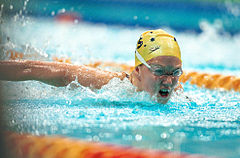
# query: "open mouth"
x,y
164,93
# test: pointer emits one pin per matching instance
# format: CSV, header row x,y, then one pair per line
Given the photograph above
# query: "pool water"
x,y
208,125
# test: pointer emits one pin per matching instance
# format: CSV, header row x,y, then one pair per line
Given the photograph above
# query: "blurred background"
x,y
180,15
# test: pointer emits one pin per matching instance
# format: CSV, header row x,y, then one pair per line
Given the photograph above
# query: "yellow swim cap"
x,y
155,43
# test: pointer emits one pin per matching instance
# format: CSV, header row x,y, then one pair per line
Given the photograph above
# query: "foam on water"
x,y
120,115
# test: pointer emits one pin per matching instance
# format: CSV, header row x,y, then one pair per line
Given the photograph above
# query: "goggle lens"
x,y
160,72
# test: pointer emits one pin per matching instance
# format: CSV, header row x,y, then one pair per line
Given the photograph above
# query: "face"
x,y
160,85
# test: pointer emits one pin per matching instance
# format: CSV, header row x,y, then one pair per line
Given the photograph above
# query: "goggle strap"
x,y
140,58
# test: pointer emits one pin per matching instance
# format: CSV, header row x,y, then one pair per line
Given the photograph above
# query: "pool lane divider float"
x,y
30,146
203,80
212,81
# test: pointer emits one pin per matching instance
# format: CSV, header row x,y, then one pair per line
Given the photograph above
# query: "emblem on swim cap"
x,y
155,43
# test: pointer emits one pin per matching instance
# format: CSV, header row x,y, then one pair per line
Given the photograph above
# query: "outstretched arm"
x,y
55,73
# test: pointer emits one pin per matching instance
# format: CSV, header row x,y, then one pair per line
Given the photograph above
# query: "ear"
x,y
137,73
137,69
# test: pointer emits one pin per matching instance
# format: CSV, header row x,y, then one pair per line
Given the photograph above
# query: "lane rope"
x,y
29,146
203,80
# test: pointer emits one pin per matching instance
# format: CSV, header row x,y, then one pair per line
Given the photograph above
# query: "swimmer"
x,y
158,67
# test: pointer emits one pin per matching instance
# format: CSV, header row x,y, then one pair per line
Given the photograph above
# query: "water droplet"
x,y
44,122
169,146
95,138
164,135
69,102
138,137
89,138
25,3
37,132
62,10
147,17
171,130
52,13
76,21
135,17
88,130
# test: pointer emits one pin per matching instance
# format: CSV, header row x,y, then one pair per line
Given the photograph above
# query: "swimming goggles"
x,y
156,70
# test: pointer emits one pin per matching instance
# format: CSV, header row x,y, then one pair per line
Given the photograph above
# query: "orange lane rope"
x,y
212,81
204,80
62,59
12,54
29,146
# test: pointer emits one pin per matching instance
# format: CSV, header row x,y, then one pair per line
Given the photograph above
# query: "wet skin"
x,y
146,80
61,74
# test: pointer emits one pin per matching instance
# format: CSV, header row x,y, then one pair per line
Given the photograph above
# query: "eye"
x,y
177,72
158,72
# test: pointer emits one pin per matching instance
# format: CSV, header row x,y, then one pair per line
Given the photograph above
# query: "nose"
x,y
167,80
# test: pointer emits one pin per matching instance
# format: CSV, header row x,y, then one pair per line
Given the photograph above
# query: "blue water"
x,y
208,125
